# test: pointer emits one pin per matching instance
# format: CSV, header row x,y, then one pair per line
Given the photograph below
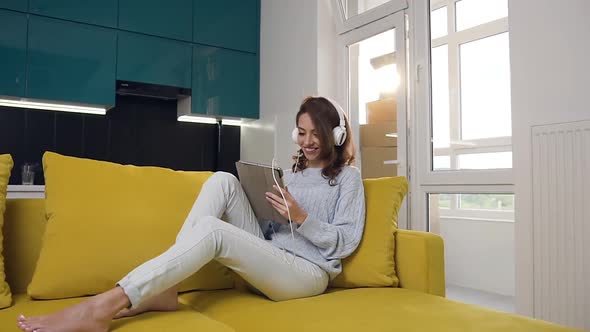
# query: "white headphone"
x,y
339,132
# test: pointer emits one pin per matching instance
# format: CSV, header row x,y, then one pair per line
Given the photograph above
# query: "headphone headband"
x,y
339,110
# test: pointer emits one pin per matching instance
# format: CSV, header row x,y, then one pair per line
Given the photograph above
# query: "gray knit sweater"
x,y
335,221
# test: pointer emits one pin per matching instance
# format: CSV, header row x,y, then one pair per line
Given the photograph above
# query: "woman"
x,y
325,201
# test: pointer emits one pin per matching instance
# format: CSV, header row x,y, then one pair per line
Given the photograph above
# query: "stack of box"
x,y
378,139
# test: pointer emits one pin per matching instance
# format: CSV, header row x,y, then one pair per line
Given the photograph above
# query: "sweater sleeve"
x,y
338,239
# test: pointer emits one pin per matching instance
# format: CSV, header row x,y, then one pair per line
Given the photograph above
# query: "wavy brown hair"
x,y
324,117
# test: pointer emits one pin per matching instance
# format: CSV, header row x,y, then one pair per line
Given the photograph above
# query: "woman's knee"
x,y
224,177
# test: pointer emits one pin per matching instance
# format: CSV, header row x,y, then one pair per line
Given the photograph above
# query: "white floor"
x,y
481,298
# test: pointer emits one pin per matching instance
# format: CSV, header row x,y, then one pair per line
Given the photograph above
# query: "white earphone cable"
x,y
288,211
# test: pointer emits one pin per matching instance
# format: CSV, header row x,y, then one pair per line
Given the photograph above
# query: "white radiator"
x,y
561,223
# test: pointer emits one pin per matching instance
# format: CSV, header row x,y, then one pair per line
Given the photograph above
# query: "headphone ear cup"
x,y
339,135
294,135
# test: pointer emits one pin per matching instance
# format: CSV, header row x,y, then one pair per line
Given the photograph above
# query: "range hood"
x,y
165,92
128,88
183,104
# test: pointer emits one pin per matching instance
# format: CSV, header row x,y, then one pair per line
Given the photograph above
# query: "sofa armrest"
x,y
419,258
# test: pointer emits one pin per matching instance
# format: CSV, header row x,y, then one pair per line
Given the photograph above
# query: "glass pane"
x,y
487,202
479,248
485,88
440,97
441,162
438,23
356,7
444,201
373,85
479,119
374,77
475,12
485,160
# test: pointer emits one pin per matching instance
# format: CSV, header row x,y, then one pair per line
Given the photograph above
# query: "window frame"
x,y
344,24
455,211
423,179
397,20
454,40
423,105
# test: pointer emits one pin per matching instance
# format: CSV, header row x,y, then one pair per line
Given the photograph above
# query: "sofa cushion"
x,y
5,168
185,319
373,264
360,309
105,219
24,226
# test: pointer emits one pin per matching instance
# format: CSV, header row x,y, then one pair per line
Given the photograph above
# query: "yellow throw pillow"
x,y
373,264
5,167
105,219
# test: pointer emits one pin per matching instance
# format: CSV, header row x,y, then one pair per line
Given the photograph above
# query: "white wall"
x,y
327,50
550,72
297,40
479,254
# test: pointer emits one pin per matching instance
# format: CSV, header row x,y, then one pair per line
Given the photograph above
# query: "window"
x,y
471,206
488,207
373,85
471,13
471,116
463,187
357,7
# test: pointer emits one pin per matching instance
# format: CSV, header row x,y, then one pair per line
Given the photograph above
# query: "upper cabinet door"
x,y
225,83
71,62
13,45
21,5
170,18
99,12
227,23
154,60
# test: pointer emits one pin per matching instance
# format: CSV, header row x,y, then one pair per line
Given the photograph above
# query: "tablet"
x,y
257,179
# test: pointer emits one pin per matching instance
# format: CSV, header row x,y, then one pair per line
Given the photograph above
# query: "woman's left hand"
x,y
297,214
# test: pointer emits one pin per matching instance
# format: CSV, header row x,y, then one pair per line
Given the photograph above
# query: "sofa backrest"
x,y
24,227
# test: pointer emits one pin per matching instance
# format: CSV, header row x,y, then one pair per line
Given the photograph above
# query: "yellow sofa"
x,y
418,305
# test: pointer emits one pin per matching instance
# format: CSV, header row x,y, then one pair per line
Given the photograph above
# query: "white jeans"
x,y
238,244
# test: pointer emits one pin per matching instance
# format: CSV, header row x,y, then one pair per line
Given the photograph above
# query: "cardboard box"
x,y
384,110
378,134
377,162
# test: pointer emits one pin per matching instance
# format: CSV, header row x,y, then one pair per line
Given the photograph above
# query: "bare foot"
x,y
165,301
92,315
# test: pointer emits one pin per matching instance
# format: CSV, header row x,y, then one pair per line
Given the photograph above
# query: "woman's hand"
x,y
297,214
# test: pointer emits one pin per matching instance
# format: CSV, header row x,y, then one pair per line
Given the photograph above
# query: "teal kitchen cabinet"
x,y
70,62
230,24
170,19
225,83
13,45
154,60
99,12
21,5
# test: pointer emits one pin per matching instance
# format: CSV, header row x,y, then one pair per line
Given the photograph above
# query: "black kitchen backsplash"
x,y
139,131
